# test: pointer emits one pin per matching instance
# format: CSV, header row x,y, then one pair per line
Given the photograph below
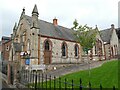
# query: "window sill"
x,y
76,57
64,57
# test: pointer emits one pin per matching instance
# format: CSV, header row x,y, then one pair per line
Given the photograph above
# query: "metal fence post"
x,y
89,86
36,80
46,81
33,79
54,82
100,87
72,85
80,84
39,80
113,87
42,80
50,83
28,78
59,83
65,83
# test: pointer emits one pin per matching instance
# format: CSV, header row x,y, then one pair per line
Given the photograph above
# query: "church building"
x,y
35,42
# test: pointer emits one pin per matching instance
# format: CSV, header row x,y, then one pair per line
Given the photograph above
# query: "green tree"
x,y
84,35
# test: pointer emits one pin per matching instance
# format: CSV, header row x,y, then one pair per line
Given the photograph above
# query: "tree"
x,y
84,35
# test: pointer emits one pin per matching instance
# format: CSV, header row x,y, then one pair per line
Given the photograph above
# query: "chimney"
x,y
112,26
55,22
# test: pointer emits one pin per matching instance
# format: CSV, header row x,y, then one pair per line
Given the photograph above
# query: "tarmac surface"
x,y
76,67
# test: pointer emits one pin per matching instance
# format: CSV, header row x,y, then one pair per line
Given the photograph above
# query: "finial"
x,y
15,26
35,10
23,9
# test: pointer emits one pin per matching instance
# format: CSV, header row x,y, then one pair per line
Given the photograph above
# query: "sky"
x,y
102,13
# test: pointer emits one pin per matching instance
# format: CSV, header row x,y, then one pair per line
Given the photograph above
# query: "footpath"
x,y
75,68
3,81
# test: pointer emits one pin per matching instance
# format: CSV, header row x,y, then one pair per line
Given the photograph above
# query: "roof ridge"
x,y
50,23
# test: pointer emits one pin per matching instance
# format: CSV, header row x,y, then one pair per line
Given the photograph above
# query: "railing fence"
x,y
37,80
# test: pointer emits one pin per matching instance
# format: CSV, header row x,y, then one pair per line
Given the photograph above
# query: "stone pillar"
x,y
9,74
15,74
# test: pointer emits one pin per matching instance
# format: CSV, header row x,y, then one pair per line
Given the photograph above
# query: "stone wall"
x,y
56,51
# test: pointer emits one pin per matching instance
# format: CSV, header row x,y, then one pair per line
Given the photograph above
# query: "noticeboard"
x,y
27,61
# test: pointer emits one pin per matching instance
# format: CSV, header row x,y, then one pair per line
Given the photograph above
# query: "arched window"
x,y
64,49
47,47
76,50
28,45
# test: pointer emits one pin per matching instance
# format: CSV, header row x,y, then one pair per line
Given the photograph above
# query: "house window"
x,y
64,49
76,50
7,48
28,45
95,50
47,47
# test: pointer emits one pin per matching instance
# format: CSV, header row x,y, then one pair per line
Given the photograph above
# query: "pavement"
x,y
75,68
3,82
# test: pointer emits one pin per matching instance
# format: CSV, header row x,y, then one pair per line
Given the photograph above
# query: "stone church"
x,y
35,41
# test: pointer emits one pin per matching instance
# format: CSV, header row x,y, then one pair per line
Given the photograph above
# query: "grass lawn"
x,y
107,75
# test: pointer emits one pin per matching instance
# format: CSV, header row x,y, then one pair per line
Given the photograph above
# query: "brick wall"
x,y
5,50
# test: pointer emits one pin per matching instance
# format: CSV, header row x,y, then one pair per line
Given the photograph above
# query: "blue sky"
x,y
102,13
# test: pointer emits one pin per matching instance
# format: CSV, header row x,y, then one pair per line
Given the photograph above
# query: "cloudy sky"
x,y
102,13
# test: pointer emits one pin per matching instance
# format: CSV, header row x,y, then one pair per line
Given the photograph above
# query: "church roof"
x,y
106,35
118,32
48,29
5,39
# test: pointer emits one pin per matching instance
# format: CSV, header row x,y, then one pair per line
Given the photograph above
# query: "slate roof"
x,y
6,39
118,32
48,29
17,47
106,35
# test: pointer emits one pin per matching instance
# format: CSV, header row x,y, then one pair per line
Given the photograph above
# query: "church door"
x,y
47,52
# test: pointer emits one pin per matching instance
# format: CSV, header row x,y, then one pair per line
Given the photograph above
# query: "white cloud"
x,y
91,12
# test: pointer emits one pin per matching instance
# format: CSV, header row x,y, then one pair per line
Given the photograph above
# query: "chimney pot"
x,y
112,26
55,22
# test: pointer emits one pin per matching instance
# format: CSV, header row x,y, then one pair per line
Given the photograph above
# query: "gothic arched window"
x,y
64,49
47,46
76,50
